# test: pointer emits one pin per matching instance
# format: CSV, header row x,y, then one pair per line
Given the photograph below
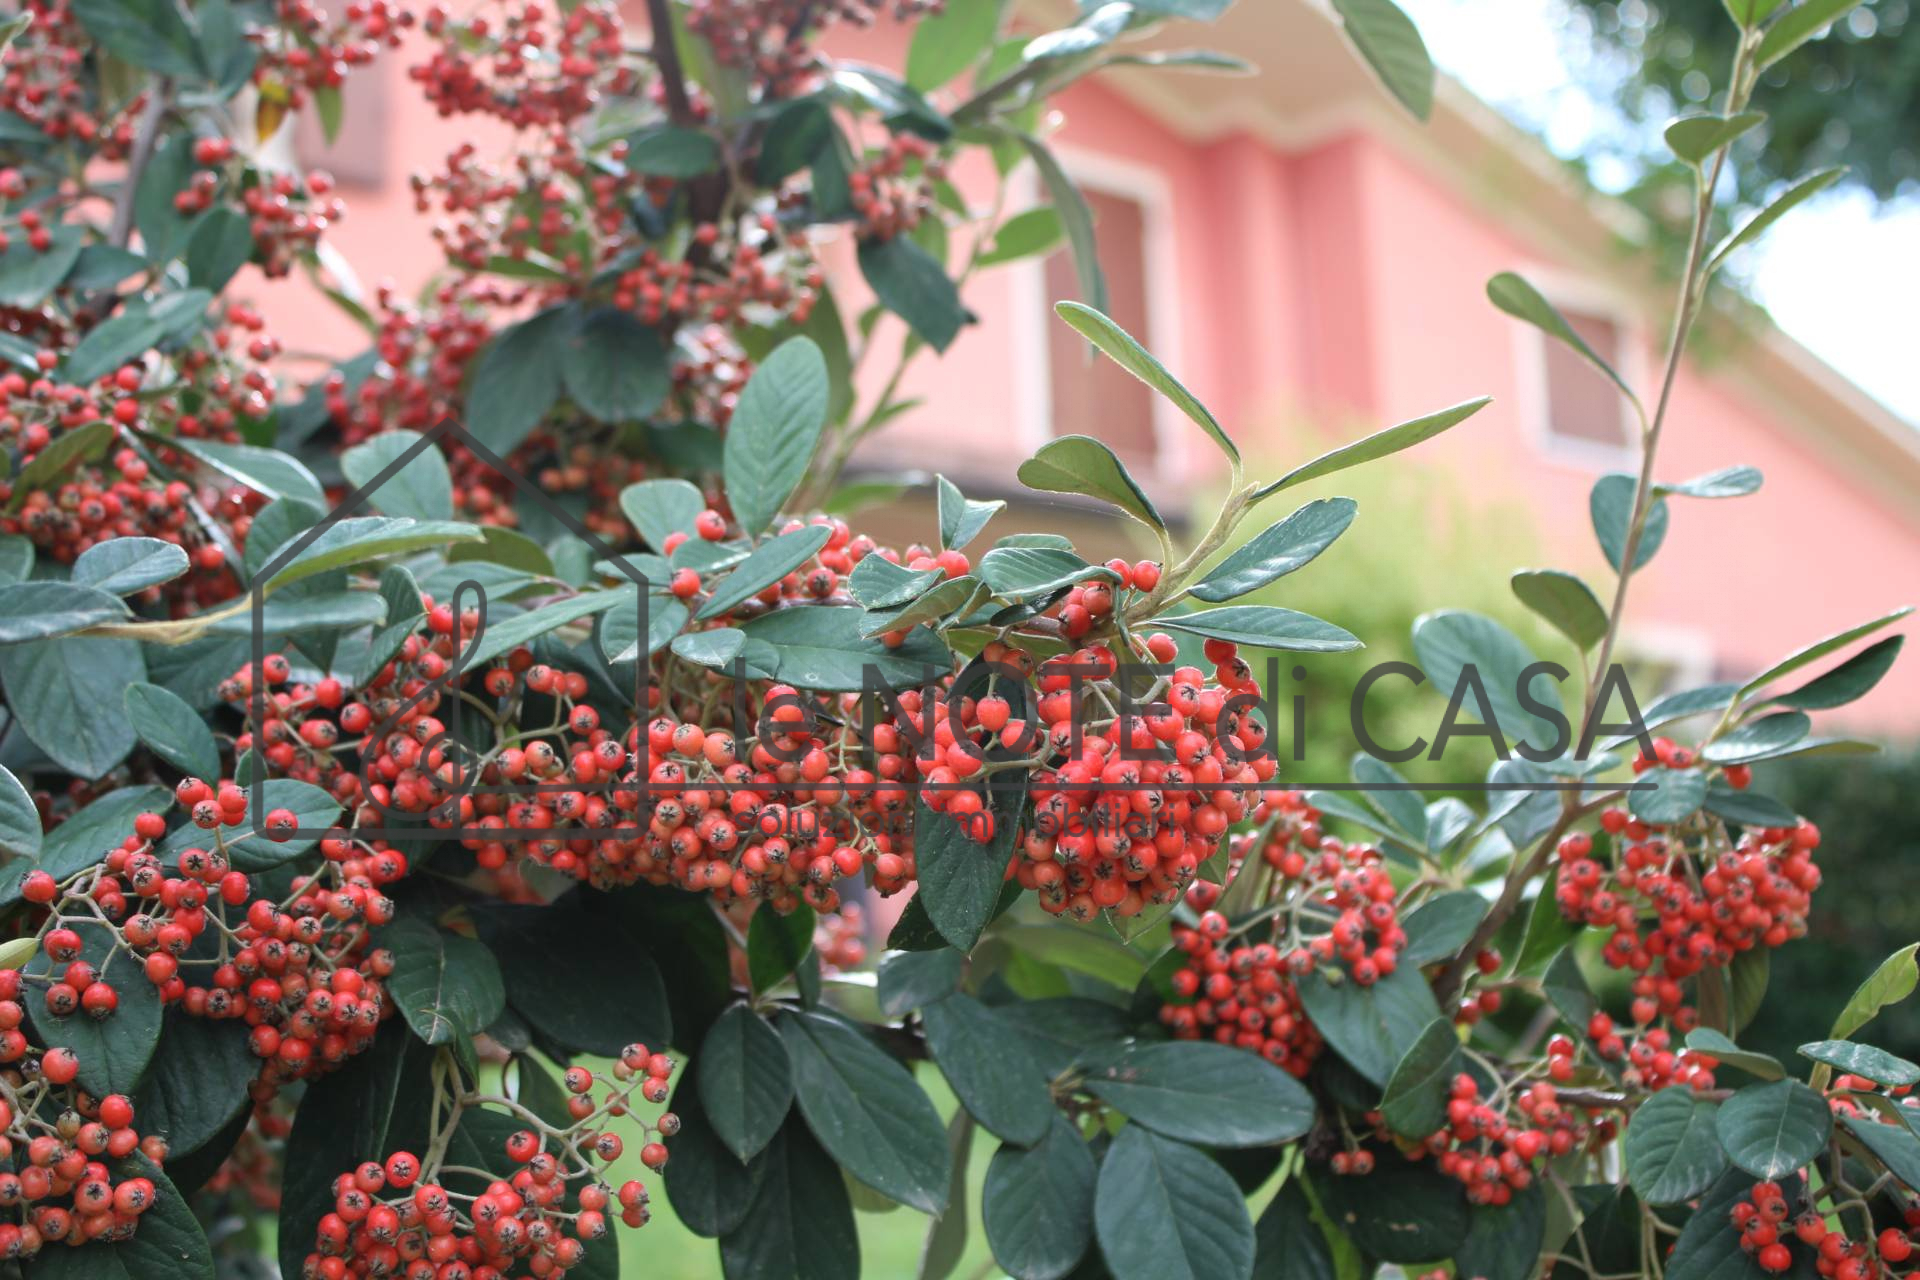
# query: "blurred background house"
x,y
1311,261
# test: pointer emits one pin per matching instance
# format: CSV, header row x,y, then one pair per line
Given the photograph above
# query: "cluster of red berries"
x,y
770,38
1762,1220
1244,994
57,1176
41,84
840,939
533,65
1495,1149
304,978
1675,908
394,1218
220,384
307,48
893,190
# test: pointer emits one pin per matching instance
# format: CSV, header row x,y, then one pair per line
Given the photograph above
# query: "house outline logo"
x,y
448,429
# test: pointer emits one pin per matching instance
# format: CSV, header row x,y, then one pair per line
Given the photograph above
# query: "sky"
x,y
1840,274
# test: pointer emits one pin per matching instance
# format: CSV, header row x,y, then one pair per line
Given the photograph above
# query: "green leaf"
x,y
1165,1211
711,1192
961,519
910,979
1024,235
1889,984
776,944
745,1085
1519,299
1876,1065
820,647
263,470
992,1073
1166,1087
1504,1241
658,508
1037,1204
1848,682
1127,352
1771,1130
913,285
1448,642
960,878
1708,1041
867,1111
1611,506
1369,1026
65,696
221,244
1727,482
771,561
1798,25
1695,138
801,130
1415,1102
155,34
16,557
1289,1243
197,1082
28,276
1674,795
1441,925
139,326
1401,1212
614,367
1673,1151
516,380
422,488
1893,1145
1820,649
67,450
799,1223
1564,601
1031,573
113,1051
1265,627
671,152
169,1242
20,833
1083,465
1068,1031
1076,217
576,980
173,730
1756,226
123,566
774,431
1748,976
45,609
362,539
1377,445
1391,45
1282,548
1751,13
950,40
448,986
1759,739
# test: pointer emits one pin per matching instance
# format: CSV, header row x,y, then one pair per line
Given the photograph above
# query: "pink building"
x,y
1301,252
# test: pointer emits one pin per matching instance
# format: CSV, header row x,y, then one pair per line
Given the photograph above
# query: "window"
x,y
1583,411
1097,397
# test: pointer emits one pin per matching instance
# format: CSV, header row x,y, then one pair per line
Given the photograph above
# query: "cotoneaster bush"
x,y
395,868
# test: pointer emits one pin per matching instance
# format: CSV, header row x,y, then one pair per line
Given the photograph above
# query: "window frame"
x,y
1530,363
1149,188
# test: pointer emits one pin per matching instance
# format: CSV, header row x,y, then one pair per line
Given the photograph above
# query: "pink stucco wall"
x,y
1339,283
